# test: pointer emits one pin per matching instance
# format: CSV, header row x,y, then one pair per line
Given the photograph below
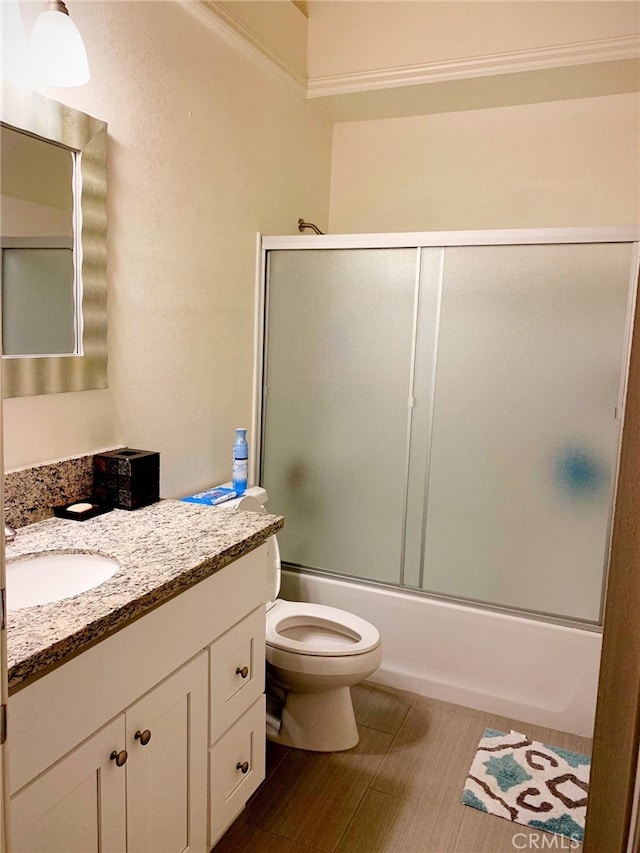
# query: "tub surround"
x,y
533,671
162,550
31,493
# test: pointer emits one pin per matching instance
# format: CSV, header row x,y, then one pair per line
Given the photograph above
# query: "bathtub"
x,y
530,670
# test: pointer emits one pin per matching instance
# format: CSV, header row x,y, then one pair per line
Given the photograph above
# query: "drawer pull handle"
x,y
244,671
120,758
144,737
243,767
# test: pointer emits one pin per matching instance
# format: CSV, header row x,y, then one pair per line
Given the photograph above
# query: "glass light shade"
x,y
57,52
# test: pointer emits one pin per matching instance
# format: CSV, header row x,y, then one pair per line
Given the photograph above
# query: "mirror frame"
x,y
36,115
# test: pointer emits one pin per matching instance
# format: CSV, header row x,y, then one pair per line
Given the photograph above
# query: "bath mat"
x,y
530,783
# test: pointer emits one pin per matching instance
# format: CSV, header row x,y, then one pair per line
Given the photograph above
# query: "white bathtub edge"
x,y
522,668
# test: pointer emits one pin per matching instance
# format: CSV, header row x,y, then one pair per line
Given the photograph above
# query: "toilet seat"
x,y
314,655
316,629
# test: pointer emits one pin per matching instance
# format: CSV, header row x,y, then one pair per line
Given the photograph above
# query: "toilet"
x,y
314,654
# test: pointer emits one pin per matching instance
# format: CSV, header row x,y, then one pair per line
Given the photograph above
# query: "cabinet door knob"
x,y
243,767
120,758
144,737
244,671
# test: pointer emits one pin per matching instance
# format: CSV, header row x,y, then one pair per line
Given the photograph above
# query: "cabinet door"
x,y
167,774
79,804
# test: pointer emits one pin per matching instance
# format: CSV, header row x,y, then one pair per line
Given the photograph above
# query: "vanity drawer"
x,y
236,768
237,667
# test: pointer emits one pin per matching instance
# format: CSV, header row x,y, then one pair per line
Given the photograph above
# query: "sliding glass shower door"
x,y
447,418
525,425
335,426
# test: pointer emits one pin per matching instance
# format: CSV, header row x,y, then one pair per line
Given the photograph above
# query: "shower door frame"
x,y
441,240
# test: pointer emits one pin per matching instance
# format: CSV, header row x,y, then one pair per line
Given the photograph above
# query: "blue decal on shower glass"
x,y
580,472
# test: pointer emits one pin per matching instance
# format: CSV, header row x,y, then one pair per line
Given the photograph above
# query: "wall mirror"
x,y
53,245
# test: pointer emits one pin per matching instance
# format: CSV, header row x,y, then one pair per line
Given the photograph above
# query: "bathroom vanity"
x,y
137,708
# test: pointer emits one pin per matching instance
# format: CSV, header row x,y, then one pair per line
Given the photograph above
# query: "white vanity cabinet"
x,y
119,791
180,691
78,805
237,720
167,774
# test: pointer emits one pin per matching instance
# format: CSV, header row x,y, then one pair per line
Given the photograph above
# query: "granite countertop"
x,y
162,550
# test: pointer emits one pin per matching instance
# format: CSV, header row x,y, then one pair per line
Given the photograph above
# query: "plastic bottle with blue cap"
x,y
240,469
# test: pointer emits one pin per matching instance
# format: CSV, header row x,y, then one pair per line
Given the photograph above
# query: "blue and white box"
x,y
212,497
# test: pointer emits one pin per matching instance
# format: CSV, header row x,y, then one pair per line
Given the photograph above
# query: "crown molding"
x,y
556,56
214,16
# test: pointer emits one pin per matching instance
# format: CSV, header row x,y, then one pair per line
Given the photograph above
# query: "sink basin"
x,y
49,577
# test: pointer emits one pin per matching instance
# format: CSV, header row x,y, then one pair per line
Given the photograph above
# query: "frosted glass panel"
x,y
38,306
524,440
339,342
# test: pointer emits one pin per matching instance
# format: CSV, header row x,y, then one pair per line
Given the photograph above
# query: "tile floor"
x,y
398,791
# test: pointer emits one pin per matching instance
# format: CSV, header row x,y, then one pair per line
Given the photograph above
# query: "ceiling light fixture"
x,y
56,50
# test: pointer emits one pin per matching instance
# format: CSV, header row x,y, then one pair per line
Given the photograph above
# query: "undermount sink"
x,y
48,577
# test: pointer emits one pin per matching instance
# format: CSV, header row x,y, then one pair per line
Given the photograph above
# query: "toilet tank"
x,y
253,500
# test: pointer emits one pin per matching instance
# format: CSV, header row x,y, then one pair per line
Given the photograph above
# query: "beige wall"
x,y
563,163
22,218
205,149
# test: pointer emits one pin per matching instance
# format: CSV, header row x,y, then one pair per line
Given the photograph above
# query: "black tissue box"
x,y
127,478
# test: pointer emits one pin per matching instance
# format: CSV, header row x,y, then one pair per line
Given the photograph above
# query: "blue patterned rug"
x,y
529,783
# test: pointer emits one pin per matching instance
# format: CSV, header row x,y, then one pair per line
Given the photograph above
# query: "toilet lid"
x,y
316,629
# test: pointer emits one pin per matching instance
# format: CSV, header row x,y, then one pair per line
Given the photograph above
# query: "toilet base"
x,y
321,722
